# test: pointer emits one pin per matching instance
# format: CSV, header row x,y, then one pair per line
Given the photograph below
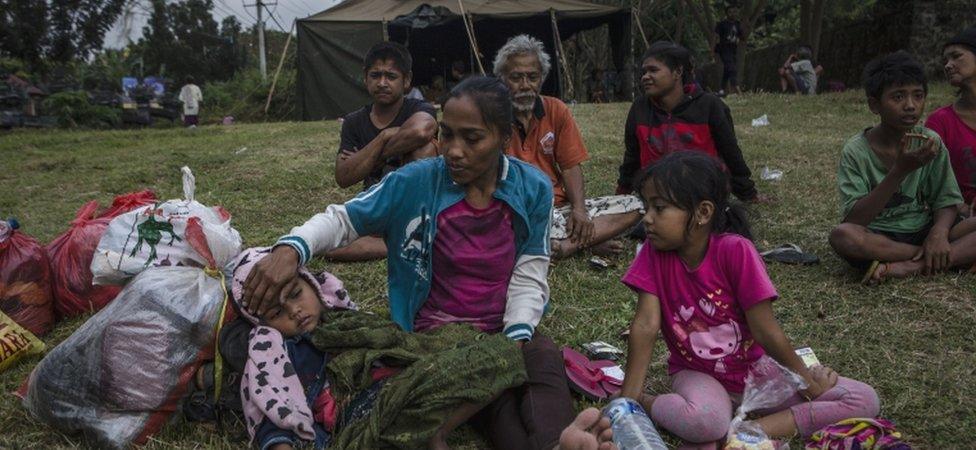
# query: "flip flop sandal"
x,y
594,380
790,254
875,273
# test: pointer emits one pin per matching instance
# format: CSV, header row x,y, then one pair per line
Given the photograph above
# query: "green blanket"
x,y
443,369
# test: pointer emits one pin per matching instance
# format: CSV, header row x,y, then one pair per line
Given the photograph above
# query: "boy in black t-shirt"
x,y
382,136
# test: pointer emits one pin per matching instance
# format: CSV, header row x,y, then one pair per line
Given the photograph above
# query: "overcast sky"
x,y
286,11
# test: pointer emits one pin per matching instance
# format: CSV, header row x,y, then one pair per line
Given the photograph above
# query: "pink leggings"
x,y
700,409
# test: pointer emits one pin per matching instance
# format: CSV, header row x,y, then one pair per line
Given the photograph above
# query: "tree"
x,y
182,38
21,34
78,27
41,32
811,23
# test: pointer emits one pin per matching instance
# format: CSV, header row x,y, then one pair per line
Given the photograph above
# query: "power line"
x,y
272,14
309,8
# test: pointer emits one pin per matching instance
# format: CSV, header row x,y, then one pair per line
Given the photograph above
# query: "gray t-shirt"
x,y
806,76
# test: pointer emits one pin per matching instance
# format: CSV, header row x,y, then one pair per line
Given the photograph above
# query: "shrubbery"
x,y
73,109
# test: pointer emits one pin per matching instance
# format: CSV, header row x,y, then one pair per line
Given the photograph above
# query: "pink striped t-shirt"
x,y
473,260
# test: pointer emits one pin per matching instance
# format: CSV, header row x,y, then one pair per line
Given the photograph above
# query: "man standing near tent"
x,y
382,136
191,97
545,135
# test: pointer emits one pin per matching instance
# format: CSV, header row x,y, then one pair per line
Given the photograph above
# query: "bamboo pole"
x,y
281,61
561,54
469,27
640,28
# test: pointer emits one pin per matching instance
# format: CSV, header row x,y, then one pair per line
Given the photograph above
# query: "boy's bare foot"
x,y
898,269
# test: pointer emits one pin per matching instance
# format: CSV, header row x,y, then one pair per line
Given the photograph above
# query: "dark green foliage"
x,y
182,39
42,33
73,110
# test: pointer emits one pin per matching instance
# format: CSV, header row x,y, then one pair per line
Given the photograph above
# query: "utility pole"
x,y
260,5
264,64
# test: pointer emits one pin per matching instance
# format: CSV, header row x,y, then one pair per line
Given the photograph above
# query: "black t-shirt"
x,y
358,131
729,32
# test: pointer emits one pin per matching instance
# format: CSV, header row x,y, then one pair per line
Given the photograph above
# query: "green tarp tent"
x,y
332,43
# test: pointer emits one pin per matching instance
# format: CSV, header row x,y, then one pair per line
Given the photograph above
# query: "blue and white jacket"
x,y
403,208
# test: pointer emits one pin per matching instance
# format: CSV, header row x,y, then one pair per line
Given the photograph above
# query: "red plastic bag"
x,y
127,202
71,256
25,280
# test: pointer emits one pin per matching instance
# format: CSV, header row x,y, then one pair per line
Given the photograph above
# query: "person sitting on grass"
x,y
799,73
468,234
383,136
674,115
545,135
701,283
302,380
899,197
956,123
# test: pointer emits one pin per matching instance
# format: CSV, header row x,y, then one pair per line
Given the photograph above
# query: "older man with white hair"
x,y
546,136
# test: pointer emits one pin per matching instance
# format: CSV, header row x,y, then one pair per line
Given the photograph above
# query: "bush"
x,y
73,110
245,95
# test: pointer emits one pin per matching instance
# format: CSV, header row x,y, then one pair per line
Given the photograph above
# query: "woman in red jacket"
x,y
675,114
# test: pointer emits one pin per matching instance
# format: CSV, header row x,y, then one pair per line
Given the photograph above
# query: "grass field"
x,y
913,340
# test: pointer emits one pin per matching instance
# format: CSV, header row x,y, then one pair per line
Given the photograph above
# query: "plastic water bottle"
x,y
632,429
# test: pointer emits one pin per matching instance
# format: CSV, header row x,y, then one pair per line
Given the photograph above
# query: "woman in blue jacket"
x,y
467,241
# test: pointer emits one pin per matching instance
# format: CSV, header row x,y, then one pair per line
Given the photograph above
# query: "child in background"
x,y
899,197
956,123
702,284
800,73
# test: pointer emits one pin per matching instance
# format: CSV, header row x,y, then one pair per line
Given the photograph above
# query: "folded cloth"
x,y
443,369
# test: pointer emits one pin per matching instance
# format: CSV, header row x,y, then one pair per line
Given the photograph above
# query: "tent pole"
x,y
640,28
469,27
560,53
386,31
281,62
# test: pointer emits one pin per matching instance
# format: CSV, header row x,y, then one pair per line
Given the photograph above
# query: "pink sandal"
x,y
594,380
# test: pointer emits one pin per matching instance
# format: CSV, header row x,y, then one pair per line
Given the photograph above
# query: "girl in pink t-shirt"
x,y
701,283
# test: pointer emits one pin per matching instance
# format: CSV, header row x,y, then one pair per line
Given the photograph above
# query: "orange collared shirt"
x,y
552,142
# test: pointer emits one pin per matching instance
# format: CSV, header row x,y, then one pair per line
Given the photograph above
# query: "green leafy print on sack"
x,y
151,231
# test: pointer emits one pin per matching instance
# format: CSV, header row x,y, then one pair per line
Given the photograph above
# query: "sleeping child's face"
x,y
299,310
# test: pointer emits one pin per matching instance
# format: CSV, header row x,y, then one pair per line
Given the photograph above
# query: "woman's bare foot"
x,y
589,431
608,248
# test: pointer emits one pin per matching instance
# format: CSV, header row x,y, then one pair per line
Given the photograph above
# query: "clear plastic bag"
x,y
154,235
768,384
121,375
